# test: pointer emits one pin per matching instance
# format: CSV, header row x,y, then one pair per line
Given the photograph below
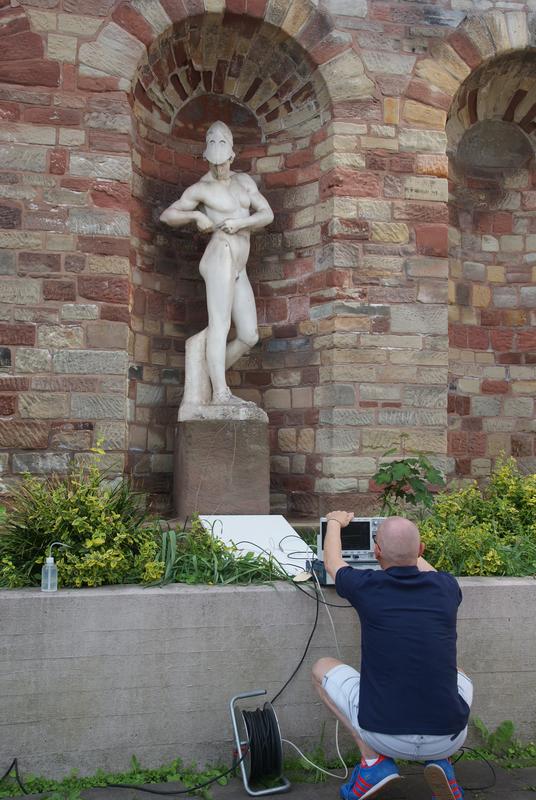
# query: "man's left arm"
x,y
333,559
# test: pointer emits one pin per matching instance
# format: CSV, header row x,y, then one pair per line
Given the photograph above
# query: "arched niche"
x,y
263,84
491,138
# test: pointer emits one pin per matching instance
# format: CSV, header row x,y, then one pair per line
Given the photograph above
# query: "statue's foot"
x,y
227,398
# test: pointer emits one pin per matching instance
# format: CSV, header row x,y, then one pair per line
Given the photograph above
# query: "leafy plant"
x,y
69,788
490,531
102,524
195,555
503,746
407,480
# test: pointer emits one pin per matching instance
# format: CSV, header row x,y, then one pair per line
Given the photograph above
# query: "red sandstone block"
x,y
328,48
129,19
92,84
491,317
378,162
58,161
10,384
111,195
8,405
276,310
31,73
465,48
10,216
298,308
471,423
103,246
476,443
53,116
12,20
484,222
301,158
489,386
256,8
349,183
432,240
111,290
404,162
115,313
477,338
70,74
425,93
156,304
502,222
285,331
21,46
526,340
59,290
501,339
17,334
457,443
9,112
510,358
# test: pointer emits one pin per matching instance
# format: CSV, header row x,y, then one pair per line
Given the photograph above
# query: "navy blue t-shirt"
x,y
408,649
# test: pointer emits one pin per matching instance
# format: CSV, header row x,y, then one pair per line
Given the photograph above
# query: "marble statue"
x,y
227,205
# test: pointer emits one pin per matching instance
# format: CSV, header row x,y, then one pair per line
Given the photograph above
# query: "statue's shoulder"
x,y
246,181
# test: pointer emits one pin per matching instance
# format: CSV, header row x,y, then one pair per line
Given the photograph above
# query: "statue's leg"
x,y
244,316
219,274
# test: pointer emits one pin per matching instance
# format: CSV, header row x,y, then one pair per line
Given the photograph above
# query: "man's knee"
x,y
322,666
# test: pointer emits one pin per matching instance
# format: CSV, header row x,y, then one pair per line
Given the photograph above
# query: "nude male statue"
x,y
219,203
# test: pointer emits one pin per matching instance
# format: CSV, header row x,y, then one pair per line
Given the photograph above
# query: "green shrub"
x,y
102,524
195,555
489,531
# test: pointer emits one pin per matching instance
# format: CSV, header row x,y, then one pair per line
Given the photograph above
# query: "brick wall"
x,y
340,113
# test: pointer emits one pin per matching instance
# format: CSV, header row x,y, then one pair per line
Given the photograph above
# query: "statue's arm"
x,y
263,214
184,210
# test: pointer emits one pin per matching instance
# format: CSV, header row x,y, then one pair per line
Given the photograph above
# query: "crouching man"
x,y
409,701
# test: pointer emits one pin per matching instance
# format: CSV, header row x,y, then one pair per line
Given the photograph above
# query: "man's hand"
x,y
204,224
342,517
231,225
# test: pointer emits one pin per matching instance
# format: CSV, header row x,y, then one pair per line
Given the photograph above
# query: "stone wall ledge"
x,y
90,677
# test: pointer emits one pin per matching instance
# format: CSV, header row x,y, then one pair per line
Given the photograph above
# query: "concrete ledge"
x,y
89,677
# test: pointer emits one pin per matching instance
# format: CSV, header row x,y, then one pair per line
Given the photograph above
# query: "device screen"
x,y
355,536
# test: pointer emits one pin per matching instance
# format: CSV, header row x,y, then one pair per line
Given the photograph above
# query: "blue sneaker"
x,y
442,781
367,781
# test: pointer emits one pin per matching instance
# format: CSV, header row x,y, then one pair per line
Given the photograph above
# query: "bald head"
x,y
399,542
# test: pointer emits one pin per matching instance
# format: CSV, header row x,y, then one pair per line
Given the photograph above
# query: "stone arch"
x,y
284,69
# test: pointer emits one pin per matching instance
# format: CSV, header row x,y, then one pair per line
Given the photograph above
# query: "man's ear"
x,y
422,547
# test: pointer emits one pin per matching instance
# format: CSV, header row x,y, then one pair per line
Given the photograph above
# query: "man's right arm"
x,y
184,210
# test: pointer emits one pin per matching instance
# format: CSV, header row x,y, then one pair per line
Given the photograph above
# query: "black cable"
x,y
264,743
180,791
489,764
302,659
15,766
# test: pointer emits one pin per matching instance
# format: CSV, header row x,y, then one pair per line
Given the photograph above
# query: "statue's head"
x,y
219,141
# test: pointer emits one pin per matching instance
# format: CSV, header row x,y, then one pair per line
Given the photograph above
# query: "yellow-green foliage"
x,y
485,532
102,524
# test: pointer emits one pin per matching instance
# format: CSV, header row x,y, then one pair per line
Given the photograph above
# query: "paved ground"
x,y
517,784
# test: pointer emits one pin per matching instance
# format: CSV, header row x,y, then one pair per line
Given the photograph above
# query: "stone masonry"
x,y
352,115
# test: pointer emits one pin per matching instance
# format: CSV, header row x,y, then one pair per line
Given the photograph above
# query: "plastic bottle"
x,y
49,575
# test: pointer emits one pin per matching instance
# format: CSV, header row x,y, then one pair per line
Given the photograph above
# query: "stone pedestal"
x,y
222,466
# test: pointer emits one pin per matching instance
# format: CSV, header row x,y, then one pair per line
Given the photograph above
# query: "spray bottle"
x,y
49,573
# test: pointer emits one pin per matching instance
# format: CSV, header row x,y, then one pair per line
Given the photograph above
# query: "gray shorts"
x,y
342,686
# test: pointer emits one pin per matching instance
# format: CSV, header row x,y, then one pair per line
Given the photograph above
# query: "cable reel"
x,y
258,745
